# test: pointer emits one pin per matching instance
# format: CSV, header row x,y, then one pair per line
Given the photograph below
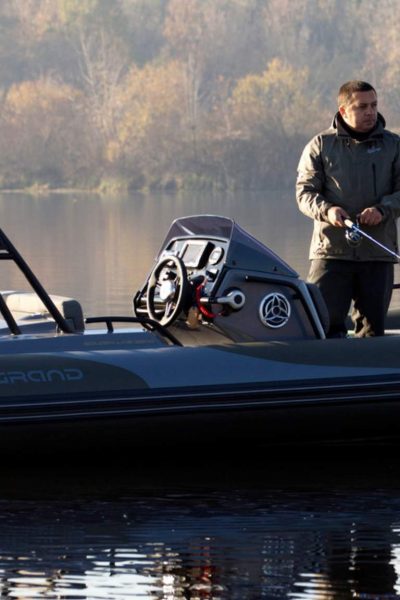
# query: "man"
x,y
352,171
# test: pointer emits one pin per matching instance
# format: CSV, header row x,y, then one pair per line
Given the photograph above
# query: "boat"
x,y
225,344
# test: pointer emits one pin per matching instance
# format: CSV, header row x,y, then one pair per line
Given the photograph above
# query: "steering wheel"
x,y
169,280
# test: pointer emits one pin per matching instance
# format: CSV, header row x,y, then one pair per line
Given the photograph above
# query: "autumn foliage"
x,y
175,93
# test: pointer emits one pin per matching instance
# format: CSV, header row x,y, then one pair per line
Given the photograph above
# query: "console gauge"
x,y
216,255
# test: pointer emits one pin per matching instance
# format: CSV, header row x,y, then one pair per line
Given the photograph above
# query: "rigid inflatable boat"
x,y
225,343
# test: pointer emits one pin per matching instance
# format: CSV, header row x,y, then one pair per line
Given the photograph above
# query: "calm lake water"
x,y
232,528
271,528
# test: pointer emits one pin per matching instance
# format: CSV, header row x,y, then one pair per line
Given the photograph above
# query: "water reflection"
x,y
271,530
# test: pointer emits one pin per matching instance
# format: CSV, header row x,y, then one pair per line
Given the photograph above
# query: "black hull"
x,y
216,417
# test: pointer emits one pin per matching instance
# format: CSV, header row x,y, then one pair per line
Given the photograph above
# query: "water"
x,y
232,528
269,529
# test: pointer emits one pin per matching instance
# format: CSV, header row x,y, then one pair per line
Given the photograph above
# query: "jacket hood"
x,y
336,124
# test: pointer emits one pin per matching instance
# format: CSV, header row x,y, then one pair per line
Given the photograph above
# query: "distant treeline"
x,y
105,94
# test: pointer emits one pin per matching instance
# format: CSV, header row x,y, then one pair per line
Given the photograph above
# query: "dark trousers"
x,y
368,284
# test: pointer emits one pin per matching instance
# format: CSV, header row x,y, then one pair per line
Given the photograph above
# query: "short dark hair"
x,y
350,87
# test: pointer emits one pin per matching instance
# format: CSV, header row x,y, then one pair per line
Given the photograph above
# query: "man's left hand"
x,y
370,216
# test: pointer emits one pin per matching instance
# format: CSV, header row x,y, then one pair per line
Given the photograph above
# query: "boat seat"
x,y
320,305
28,304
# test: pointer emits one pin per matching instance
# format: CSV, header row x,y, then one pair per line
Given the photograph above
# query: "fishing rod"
x,y
354,236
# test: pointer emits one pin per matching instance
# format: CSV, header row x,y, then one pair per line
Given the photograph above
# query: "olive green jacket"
x,y
336,170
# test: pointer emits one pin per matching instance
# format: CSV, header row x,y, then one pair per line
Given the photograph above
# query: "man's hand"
x,y
370,216
336,216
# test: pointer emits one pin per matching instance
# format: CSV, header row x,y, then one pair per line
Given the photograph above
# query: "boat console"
x,y
211,279
212,283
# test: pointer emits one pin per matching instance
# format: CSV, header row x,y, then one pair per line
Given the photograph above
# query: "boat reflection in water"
x,y
258,538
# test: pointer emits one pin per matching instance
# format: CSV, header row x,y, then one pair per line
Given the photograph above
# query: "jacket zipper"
x,y
374,178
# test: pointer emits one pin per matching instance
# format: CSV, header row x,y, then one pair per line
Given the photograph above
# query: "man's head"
x,y
358,105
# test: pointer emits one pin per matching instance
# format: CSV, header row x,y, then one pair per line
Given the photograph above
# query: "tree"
x,y
103,64
275,99
43,136
382,64
144,24
150,133
267,112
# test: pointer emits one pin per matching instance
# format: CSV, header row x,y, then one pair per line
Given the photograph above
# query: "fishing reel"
x,y
353,237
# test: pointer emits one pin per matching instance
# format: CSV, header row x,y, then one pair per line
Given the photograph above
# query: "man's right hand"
x,y
336,216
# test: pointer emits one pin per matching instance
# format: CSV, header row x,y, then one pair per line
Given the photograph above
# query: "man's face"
x,y
361,111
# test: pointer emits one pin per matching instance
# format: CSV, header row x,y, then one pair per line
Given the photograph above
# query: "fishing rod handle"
x,y
349,223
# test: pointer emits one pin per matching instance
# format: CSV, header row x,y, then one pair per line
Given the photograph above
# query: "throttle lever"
x,y
235,299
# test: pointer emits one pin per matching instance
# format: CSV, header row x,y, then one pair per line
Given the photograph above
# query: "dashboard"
x,y
198,253
200,256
